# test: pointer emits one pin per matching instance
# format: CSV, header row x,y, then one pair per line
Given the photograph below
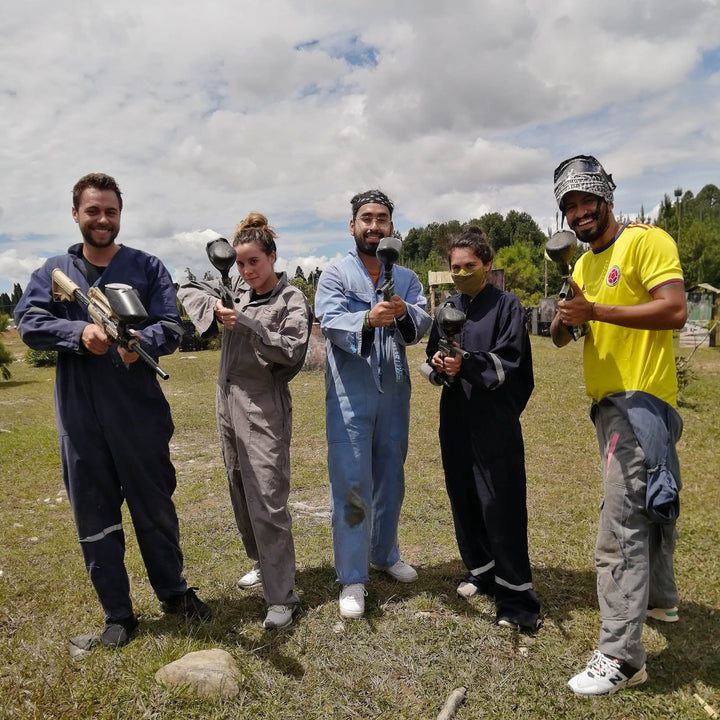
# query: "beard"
x,y
105,242
364,245
601,216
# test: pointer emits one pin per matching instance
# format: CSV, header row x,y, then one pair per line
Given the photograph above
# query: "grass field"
x,y
417,642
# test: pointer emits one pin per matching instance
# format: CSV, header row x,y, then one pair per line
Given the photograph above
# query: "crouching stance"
x,y
264,341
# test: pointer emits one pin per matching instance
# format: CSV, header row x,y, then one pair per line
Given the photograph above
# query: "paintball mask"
x,y
583,173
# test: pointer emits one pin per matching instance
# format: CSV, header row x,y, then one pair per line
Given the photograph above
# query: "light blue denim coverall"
x,y
367,399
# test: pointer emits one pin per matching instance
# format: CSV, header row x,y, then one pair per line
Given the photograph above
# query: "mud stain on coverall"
x,y
355,510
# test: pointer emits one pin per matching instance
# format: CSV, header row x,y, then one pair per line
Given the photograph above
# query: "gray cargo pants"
x,y
633,556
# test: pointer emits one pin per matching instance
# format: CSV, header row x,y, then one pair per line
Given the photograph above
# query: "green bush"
x,y
41,358
5,360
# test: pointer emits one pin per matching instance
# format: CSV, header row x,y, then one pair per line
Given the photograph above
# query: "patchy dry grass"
x,y
417,643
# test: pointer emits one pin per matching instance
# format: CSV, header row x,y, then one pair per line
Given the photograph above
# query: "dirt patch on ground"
x,y
709,366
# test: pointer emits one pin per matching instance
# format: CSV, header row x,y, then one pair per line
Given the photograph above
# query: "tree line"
x,y
519,244
9,301
694,222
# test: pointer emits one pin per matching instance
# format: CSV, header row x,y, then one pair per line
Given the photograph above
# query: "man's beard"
x,y
601,216
365,247
90,240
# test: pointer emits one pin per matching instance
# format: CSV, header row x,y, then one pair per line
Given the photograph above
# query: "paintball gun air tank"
x,y
222,257
111,311
388,253
450,320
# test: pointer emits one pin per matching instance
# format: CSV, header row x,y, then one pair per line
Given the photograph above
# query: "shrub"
x,y
5,360
41,358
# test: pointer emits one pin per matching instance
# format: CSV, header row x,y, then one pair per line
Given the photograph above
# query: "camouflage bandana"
x,y
371,196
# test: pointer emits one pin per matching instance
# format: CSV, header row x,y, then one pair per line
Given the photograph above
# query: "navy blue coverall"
x,y
483,453
114,425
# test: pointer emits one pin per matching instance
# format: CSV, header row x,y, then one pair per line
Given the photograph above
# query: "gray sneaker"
x,y
278,616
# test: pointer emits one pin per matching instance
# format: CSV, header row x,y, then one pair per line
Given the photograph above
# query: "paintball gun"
x,y
111,311
222,256
450,320
560,248
388,253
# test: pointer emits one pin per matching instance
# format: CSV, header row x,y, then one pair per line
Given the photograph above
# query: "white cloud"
x,y
205,112
16,265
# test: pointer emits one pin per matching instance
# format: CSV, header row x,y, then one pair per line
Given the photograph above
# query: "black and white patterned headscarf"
x,y
371,196
583,173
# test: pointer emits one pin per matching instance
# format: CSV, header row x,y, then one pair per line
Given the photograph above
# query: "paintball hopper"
x,y
221,255
388,250
560,248
388,253
125,303
450,319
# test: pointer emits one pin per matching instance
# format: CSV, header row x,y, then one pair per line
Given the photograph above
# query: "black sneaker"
x,y
189,605
116,633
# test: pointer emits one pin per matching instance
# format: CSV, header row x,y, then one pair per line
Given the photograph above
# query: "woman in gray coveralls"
x,y
264,343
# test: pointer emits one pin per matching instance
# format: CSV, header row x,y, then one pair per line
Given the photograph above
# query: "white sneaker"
x,y
352,601
400,571
250,580
605,675
467,589
278,616
664,614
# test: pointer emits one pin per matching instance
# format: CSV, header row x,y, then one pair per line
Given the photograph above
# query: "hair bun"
x,y
254,220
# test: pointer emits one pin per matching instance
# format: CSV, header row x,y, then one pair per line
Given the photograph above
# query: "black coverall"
x,y
483,452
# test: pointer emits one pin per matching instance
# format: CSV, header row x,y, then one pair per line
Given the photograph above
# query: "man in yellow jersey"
x,y
628,291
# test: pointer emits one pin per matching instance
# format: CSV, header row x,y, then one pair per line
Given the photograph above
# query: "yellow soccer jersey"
x,y
616,359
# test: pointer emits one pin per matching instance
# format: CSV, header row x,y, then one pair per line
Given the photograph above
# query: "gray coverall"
x,y
264,351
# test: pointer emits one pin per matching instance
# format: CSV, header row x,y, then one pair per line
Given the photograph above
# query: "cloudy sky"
x,y
204,111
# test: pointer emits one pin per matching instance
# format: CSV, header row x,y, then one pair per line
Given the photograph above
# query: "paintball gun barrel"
x,y
388,253
111,311
222,257
450,320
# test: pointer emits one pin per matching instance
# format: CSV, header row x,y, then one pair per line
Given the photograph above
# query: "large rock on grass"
x,y
210,673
